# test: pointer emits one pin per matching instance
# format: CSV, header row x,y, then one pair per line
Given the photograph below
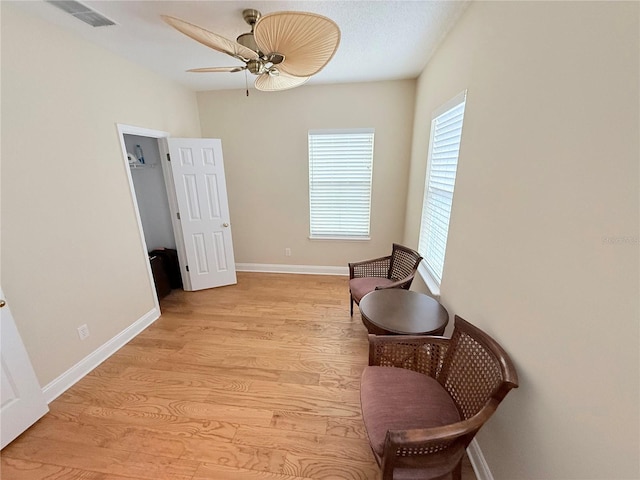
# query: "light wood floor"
x,y
254,381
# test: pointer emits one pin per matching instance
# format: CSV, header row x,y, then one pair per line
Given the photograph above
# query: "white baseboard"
x,y
478,462
300,269
65,381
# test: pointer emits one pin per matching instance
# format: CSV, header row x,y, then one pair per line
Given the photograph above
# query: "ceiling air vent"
x,y
82,12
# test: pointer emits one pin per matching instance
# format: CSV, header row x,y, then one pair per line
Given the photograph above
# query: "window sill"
x,y
347,239
428,280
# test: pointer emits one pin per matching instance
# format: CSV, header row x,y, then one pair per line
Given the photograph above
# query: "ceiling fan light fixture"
x,y
250,16
247,40
257,67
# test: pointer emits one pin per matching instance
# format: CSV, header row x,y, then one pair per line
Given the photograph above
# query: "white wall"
x,y
543,243
151,194
71,250
264,139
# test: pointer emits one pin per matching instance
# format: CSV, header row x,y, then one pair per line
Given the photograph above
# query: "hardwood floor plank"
x,y
78,456
304,443
206,323
114,368
219,371
200,410
161,423
299,378
349,382
266,346
74,429
144,465
15,469
346,427
64,453
267,459
208,471
254,381
287,420
118,389
285,400
330,467
277,402
156,405
230,358
320,394
86,393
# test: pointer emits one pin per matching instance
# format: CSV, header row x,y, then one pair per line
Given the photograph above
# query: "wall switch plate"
x,y
287,252
83,331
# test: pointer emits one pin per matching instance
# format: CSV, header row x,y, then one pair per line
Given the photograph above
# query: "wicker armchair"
x,y
421,416
393,271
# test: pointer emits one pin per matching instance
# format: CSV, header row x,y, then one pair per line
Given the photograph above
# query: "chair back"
x,y
476,372
404,262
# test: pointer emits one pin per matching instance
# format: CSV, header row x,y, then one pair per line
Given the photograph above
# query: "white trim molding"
x,y
140,131
429,281
478,462
300,269
65,381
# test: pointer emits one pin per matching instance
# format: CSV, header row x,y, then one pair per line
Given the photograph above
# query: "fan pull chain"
x,y
246,82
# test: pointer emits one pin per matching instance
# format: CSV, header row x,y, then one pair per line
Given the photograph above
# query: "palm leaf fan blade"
x,y
274,83
216,69
210,39
308,41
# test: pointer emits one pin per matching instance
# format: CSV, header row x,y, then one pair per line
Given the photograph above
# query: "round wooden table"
x,y
395,311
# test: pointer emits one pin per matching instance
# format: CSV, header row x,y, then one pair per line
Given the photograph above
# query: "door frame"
x,y
163,148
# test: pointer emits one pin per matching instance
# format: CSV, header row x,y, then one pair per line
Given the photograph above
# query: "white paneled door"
x,y
201,191
21,399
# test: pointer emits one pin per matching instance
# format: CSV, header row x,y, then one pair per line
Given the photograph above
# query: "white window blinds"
x,y
340,170
444,147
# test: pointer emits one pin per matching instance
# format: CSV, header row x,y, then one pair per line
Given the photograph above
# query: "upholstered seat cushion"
x,y
359,287
400,399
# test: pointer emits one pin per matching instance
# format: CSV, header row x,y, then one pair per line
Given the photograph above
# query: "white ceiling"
x,y
381,40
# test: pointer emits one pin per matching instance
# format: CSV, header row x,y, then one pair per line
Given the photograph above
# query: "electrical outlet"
x,y
83,331
287,252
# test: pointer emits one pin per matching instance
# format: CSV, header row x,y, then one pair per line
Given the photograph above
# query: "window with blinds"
x,y
442,163
340,172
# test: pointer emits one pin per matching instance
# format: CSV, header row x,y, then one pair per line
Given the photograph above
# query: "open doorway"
x,y
193,185
143,149
143,155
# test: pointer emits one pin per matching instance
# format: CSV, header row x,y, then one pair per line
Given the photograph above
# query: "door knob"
x,y
2,303
225,225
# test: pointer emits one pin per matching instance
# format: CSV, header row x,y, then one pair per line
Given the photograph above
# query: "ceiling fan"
x,y
283,49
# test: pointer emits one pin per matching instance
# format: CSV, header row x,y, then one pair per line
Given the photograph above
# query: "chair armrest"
x,y
445,433
377,267
420,353
402,283
446,443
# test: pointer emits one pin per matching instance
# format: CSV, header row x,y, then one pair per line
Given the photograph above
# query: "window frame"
x,y
432,278
315,228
